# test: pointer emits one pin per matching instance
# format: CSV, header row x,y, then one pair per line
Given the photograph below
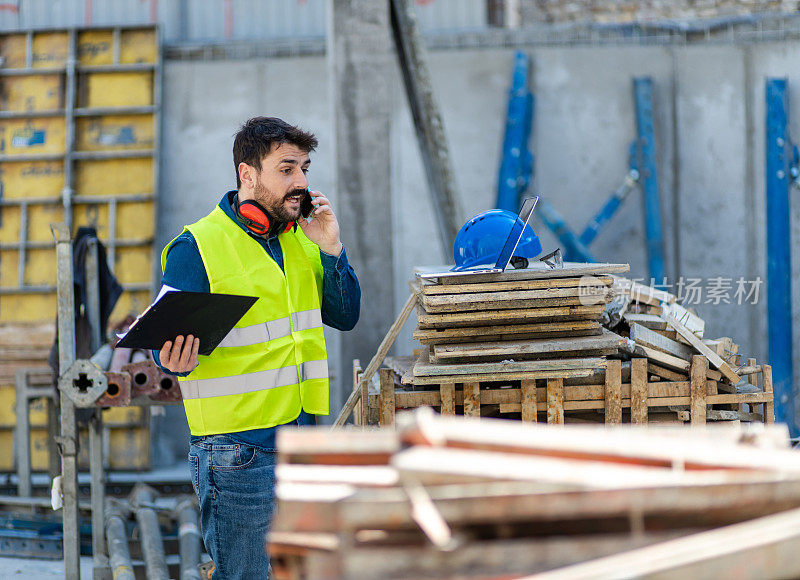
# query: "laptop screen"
x,y
516,233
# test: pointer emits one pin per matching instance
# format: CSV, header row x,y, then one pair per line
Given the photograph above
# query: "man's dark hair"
x,y
258,135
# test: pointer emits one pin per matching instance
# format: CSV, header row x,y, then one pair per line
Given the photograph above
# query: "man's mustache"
x,y
294,193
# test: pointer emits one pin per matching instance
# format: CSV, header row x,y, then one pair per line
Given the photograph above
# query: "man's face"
x,y
281,183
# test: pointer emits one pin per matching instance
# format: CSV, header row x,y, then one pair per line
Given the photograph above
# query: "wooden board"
x,y
423,368
436,289
652,339
508,332
712,357
589,295
647,320
518,349
500,317
537,271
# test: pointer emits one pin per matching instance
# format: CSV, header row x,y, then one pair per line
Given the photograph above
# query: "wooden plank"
x,y
555,401
665,373
649,338
422,368
472,399
529,408
513,349
507,332
769,406
510,376
765,547
516,316
647,320
697,381
753,380
536,271
712,357
639,390
613,398
663,359
508,300
360,411
438,289
448,403
387,403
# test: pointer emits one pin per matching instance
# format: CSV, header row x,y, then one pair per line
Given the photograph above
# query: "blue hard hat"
x,y
480,240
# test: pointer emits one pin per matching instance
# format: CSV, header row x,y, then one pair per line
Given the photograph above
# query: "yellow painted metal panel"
x,y
95,215
27,307
32,136
40,267
9,223
129,303
123,416
26,179
12,49
138,46
32,93
134,265
39,219
136,221
114,133
8,269
114,176
8,415
95,47
130,448
117,89
38,449
50,49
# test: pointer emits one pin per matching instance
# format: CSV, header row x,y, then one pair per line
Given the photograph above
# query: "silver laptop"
x,y
503,259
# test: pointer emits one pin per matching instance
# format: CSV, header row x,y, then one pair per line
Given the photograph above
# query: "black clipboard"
x,y
207,316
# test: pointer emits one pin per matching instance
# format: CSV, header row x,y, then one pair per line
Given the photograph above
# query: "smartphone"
x,y
306,207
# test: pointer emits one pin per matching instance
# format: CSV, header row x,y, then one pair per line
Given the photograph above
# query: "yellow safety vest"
x,y
274,361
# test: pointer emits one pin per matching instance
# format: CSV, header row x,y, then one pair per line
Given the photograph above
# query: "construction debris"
x,y
459,497
574,344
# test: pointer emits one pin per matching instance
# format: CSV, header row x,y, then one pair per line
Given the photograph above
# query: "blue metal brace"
x,y
516,167
781,165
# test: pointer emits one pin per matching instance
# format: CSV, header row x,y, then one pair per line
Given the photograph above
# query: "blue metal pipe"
x,y
574,250
779,260
645,128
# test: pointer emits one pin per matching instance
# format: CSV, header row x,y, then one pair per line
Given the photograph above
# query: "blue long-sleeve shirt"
x,y
341,294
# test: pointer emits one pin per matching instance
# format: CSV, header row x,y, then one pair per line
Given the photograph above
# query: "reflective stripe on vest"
x,y
241,384
258,333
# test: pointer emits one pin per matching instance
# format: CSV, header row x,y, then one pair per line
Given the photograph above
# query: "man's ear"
x,y
247,175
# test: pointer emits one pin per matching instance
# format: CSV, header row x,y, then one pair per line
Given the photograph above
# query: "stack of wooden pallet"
x,y
456,497
575,344
488,338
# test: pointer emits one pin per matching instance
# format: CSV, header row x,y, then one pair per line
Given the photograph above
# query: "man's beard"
x,y
277,209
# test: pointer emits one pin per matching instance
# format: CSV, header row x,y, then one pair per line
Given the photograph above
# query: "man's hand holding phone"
x,y
321,226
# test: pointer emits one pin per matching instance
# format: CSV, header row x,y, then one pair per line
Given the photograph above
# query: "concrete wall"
x,y
710,115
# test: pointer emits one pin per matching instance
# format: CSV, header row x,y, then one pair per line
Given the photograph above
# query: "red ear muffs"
x,y
254,217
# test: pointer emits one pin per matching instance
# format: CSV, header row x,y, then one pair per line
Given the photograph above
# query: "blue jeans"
x,y
234,483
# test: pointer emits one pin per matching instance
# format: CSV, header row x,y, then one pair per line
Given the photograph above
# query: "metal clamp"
x,y
83,383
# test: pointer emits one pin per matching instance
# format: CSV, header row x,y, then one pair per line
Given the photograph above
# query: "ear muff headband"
x,y
255,218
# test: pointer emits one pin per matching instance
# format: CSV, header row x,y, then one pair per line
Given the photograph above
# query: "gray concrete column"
x,y
360,63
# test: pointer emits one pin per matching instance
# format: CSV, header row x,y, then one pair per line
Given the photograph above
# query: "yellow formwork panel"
x,y
39,219
129,303
95,47
32,136
8,416
138,46
8,270
116,89
50,49
134,265
123,416
114,176
130,448
27,308
94,215
40,267
136,221
39,453
27,179
32,93
115,133
12,49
